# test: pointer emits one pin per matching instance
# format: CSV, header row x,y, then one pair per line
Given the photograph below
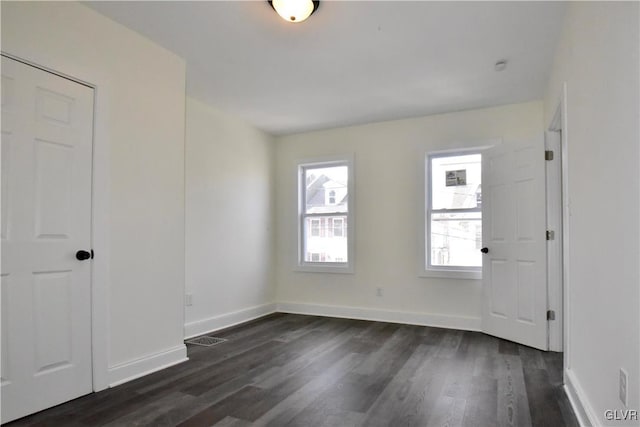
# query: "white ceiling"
x,y
352,62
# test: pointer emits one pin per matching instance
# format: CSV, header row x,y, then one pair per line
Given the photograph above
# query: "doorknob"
x,y
484,250
82,255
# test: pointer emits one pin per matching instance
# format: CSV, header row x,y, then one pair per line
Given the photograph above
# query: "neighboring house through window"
x,y
325,242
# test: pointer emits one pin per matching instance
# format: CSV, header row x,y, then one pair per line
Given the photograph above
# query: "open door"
x,y
514,240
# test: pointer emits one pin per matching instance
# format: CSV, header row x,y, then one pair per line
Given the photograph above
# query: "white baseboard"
x,y
211,324
422,319
584,411
137,368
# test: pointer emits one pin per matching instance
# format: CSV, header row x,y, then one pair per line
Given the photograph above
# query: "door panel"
x,y
526,291
52,322
6,330
500,220
513,222
46,217
5,144
54,189
525,221
499,292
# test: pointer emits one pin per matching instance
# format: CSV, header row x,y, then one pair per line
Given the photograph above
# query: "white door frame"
x,y
553,173
99,209
559,124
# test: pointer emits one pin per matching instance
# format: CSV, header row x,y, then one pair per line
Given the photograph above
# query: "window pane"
x,y
326,189
455,182
330,242
455,239
315,227
338,227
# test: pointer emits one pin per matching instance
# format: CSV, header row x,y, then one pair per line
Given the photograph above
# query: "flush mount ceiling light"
x,y
294,10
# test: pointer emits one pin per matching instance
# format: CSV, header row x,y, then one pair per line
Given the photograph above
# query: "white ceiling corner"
x,y
352,62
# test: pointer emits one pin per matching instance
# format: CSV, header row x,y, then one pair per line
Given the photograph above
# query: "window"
x,y
315,227
325,240
338,227
453,220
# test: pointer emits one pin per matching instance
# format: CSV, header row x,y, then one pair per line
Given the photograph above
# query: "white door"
x,y
46,218
514,267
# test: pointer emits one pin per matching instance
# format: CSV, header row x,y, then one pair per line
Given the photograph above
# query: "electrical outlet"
x,y
379,292
188,300
623,387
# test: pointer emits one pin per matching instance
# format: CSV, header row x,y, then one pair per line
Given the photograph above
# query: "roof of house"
x,y
316,197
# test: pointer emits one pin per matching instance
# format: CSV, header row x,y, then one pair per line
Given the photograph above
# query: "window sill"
x,y
452,274
324,268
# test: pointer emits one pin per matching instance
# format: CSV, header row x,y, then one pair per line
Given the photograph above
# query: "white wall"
x,y
229,220
138,236
389,171
598,59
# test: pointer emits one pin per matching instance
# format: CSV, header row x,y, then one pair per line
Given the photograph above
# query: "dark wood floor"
x,y
291,370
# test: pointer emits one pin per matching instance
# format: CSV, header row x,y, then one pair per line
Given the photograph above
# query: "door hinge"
x,y
548,155
551,315
551,235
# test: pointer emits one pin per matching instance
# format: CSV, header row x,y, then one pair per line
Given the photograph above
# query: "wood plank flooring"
x,y
293,370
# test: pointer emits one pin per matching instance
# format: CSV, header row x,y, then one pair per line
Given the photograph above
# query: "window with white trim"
x,y
453,220
325,242
338,227
315,227
332,197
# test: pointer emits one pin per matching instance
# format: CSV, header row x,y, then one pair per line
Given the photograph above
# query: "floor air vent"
x,y
205,341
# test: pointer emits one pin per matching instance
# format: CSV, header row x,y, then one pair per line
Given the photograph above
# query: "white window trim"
x,y
328,267
466,273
